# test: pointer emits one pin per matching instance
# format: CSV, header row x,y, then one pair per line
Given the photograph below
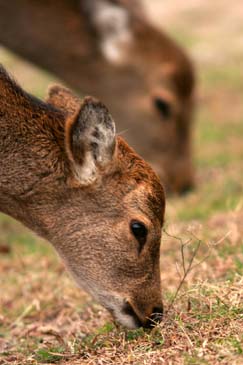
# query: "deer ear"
x,y
62,98
90,140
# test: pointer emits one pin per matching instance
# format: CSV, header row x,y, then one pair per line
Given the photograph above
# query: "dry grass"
x,y
42,322
45,319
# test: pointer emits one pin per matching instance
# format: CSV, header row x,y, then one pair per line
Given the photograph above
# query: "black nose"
x,y
185,189
155,318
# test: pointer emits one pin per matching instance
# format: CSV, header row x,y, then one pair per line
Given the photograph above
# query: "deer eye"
x,y
163,107
140,232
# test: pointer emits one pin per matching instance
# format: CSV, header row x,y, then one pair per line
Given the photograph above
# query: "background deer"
x,y
65,175
109,48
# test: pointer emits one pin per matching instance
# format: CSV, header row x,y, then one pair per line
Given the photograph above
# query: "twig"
x,y
186,269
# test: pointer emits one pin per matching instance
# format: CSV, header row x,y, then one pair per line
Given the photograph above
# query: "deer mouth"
x,y
148,322
125,318
124,313
128,310
121,311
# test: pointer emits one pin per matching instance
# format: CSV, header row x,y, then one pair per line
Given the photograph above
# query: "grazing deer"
x,y
67,176
110,49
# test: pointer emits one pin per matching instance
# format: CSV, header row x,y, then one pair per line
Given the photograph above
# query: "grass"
x,y
45,319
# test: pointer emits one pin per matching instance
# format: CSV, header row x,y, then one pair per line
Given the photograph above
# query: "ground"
x,y
45,319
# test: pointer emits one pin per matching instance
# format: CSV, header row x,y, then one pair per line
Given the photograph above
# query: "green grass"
x,y
50,356
229,77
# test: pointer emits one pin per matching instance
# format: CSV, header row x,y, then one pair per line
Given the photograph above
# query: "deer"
x,y
67,176
110,49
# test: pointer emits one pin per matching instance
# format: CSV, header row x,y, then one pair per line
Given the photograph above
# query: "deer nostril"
x,y
185,189
155,317
157,314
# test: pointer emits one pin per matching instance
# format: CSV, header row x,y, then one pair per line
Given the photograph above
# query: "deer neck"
x,y
31,148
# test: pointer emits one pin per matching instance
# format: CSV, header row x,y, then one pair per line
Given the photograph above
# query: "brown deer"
x,y
109,49
66,175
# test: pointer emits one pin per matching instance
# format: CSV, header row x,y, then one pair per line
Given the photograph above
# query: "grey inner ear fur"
x,y
92,139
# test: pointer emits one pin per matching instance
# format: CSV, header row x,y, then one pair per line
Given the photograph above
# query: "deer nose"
x,y
155,317
185,189
147,322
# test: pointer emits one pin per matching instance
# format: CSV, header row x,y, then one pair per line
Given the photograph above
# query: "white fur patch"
x,y
115,303
86,173
112,22
126,320
112,302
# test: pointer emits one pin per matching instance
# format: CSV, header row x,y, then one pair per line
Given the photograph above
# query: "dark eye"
x,y
140,232
163,107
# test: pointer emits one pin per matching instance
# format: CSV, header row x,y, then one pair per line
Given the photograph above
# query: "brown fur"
x,y
152,68
87,221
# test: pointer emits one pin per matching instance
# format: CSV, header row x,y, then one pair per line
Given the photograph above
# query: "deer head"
x,y
66,175
165,97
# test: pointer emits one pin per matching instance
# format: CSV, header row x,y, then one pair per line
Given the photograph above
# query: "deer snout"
x,y
181,180
148,319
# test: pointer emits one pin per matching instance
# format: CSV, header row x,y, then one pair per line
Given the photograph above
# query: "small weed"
x,y
107,328
135,334
52,355
237,345
194,360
